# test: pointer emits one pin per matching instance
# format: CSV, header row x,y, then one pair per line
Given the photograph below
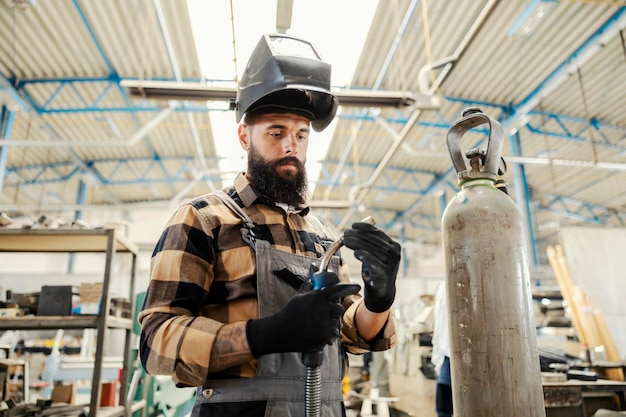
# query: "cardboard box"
x,y
90,293
64,394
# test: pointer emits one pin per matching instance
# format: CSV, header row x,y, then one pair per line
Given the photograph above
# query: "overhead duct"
x,y
170,90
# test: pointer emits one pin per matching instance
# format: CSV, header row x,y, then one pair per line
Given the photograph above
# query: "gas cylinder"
x,y
494,360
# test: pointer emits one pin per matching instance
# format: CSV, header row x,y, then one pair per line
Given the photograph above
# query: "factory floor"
x,y
410,392
411,395
416,393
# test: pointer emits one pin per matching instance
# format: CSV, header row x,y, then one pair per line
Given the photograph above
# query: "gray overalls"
x,y
280,378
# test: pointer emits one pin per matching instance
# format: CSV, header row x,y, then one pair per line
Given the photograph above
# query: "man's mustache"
x,y
289,159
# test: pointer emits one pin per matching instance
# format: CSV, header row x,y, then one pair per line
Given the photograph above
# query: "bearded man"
x,y
225,310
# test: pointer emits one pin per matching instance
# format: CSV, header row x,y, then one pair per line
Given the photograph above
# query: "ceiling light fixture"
x,y
531,17
171,90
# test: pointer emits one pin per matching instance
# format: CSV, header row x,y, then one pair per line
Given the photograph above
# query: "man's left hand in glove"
x,y
380,257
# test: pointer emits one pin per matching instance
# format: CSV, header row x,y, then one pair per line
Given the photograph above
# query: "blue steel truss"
x,y
153,171
582,211
33,174
568,128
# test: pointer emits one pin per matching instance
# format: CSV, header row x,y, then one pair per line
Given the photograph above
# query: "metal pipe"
x,y
360,191
155,205
176,70
379,80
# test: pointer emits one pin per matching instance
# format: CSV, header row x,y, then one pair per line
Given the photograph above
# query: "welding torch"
x,y
313,359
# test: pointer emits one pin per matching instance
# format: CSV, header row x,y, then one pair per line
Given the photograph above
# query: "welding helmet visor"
x,y
286,74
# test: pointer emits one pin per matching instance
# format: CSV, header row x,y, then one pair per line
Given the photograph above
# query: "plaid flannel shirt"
x,y
203,276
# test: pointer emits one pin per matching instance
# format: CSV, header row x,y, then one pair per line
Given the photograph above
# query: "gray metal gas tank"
x,y
494,359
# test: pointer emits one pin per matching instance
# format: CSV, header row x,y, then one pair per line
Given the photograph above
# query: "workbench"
x,y
583,398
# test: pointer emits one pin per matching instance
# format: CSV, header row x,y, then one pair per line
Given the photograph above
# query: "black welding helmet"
x,y
286,74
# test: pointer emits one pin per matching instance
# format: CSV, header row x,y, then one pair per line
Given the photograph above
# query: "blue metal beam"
x,y
37,174
560,73
25,104
113,74
81,198
599,128
522,192
6,130
112,80
582,211
538,127
94,38
435,184
64,174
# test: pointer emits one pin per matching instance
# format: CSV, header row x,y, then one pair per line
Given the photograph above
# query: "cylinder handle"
x,y
472,117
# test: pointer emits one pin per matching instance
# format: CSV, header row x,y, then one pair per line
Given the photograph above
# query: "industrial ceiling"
x,y
553,73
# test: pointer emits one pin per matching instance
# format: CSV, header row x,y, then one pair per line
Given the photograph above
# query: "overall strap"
x,y
320,228
248,231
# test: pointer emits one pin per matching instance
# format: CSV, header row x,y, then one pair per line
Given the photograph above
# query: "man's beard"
x,y
286,187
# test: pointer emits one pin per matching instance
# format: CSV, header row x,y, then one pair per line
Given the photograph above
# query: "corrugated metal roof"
x,y
62,61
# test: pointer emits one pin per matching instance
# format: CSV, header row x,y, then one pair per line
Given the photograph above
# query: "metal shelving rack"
x,y
107,241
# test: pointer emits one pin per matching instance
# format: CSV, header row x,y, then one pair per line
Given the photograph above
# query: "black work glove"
x,y
380,257
308,321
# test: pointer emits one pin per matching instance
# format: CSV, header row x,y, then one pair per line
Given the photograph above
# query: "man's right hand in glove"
x,y
309,321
